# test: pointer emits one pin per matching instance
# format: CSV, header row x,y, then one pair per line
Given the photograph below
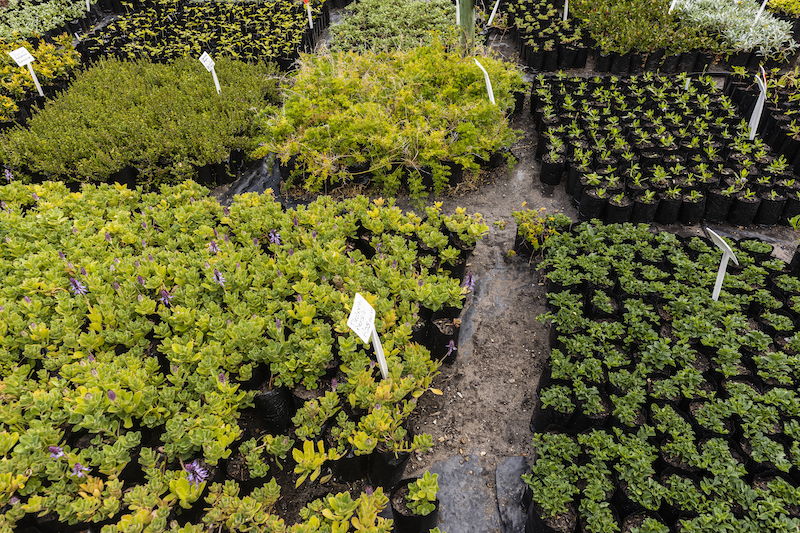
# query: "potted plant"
x,y
414,504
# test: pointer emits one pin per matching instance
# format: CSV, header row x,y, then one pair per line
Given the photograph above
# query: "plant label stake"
x,y
488,82
207,62
686,86
672,6
362,321
727,254
494,12
760,11
566,9
308,10
755,118
24,58
458,12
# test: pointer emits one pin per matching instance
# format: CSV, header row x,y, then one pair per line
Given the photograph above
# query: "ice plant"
x,y
77,287
197,474
219,278
56,452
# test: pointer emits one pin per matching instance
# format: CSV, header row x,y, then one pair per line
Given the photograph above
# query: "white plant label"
x,y
21,56
672,6
88,7
308,10
760,11
458,14
755,118
362,321
566,9
686,86
207,62
727,254
494,12
24,58
488,82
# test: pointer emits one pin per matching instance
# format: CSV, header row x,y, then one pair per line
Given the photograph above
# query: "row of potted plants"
x,y
414,119
164,355
164,30
144,123
631,37
665,400
657,148
29,18
778,126
56,64
373,25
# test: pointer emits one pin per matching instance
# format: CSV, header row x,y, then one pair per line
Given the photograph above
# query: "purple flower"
x,y
74,231
116,286
197,474
191,200
56,452
226,211
295,221
368,490
136,263
4,206
91,358
394,264
36,197
469,282
9,175
280,274
222,377
451,347
227,237
420,283
216,235
83,271
166,298
79,470
299,298
77,287
219,278
278,324
291,251
108,236
334,384
13,500
150,257
28,299
352,260
62,256
144,224
140,279
112,395
213,248
144,243
314,234
274,236
255,241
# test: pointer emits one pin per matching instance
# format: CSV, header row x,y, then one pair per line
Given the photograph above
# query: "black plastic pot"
x,y
669,64
443,339
540,524
591,205
552,170
407,522
350,467
385,469
618,214
770,211
692,212
668,210
644,213
276,408
743,210
602,63
718,206
620,64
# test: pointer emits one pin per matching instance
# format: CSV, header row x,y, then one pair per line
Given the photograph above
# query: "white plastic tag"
x,y
727,254
488,82
755,118
362,321
362,318
686,85
458,14
88,7
207,62
566,9
310,19
494,12
760,11
21,56
672,6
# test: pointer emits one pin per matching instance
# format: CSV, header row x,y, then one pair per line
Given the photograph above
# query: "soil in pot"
x,y
565,522
744,209
405,521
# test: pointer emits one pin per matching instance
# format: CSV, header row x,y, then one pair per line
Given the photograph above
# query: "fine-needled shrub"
x,y
165,120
